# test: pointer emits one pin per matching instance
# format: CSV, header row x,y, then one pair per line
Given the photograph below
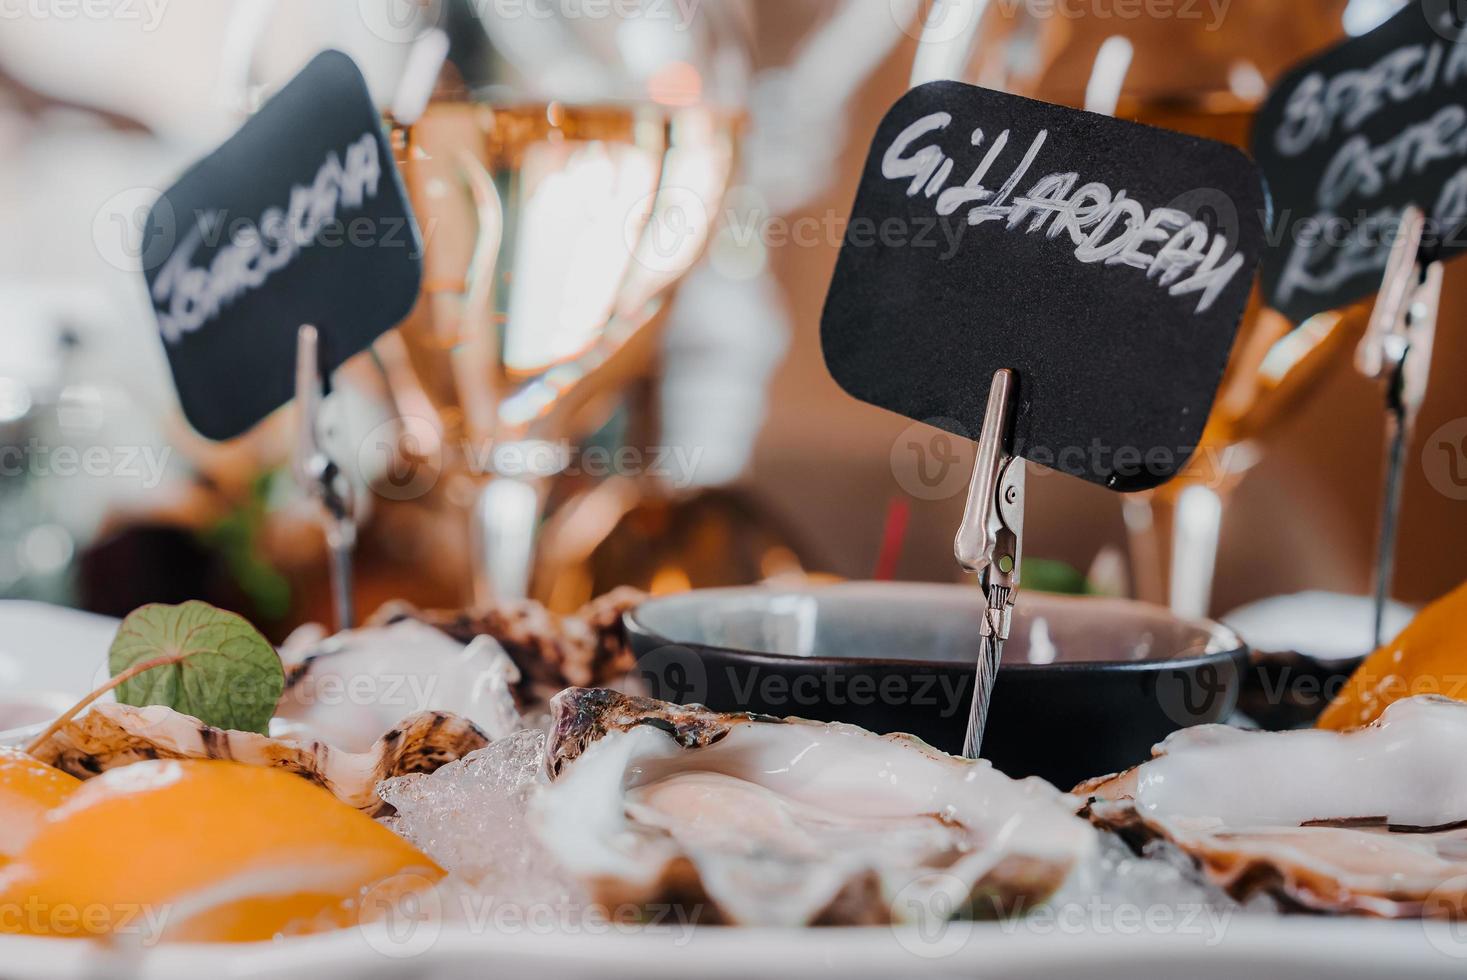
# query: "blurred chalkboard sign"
x,y
1106,262
299,218
1349,138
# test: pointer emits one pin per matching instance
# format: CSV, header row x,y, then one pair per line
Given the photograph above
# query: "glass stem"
x,y
1174,542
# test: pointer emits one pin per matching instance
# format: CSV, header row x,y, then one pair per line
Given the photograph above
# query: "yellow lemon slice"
x,y
28,791
201,851
1429,657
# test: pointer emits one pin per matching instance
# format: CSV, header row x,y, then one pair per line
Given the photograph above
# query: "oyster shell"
x,y
349,688
1372,821
756,820
112,735
552,652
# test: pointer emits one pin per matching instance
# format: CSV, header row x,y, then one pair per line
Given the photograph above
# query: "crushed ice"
x,y
471,817
1159,891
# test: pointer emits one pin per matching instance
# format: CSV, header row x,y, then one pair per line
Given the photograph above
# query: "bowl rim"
x,y
1232,645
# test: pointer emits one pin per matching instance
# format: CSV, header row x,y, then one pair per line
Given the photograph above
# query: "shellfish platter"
x,y
776,775
438,794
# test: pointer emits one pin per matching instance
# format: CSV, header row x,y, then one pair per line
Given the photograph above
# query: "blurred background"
x,y
703,358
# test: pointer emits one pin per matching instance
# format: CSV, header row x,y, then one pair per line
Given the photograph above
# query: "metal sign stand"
x,y
319,476
1396,351
989,542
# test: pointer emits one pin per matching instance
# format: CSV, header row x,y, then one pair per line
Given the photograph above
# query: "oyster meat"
x,y
1371,821
111,735
762,821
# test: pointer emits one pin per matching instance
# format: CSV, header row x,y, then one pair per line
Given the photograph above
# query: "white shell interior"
x,y
779,818
363,682
1367,821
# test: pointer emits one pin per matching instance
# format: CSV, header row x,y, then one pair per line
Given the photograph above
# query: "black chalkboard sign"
x,y
299,218
1347,140
1106,262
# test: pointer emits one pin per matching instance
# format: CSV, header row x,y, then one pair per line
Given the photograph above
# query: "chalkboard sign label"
x,y
298,218
1347,140
1106,262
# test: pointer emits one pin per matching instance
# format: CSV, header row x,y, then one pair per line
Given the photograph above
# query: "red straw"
x,y
893,536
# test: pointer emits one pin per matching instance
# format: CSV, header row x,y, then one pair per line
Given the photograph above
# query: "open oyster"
x,y
1372,821
761,821
112,735
349,688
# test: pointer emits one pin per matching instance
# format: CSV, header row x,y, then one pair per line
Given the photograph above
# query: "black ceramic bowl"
x,y
1087,685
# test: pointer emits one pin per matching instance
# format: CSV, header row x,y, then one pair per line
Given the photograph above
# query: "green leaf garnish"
x,y
195,659
198,660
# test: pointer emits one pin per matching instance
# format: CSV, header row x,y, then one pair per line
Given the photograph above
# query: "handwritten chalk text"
x,y
1180,253
188,296
1328,248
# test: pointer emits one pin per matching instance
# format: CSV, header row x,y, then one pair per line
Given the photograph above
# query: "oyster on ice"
x,y
350,688
761,821
1371,821
111,735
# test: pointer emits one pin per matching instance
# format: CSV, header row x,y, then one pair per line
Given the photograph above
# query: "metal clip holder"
x,y
990,540
319,476
1396,351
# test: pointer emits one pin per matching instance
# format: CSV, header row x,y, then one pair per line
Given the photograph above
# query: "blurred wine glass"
x,y
1202,70
565,173
692,525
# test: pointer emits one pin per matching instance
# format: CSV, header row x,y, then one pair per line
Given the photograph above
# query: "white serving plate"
x,y
1278,949
49,658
